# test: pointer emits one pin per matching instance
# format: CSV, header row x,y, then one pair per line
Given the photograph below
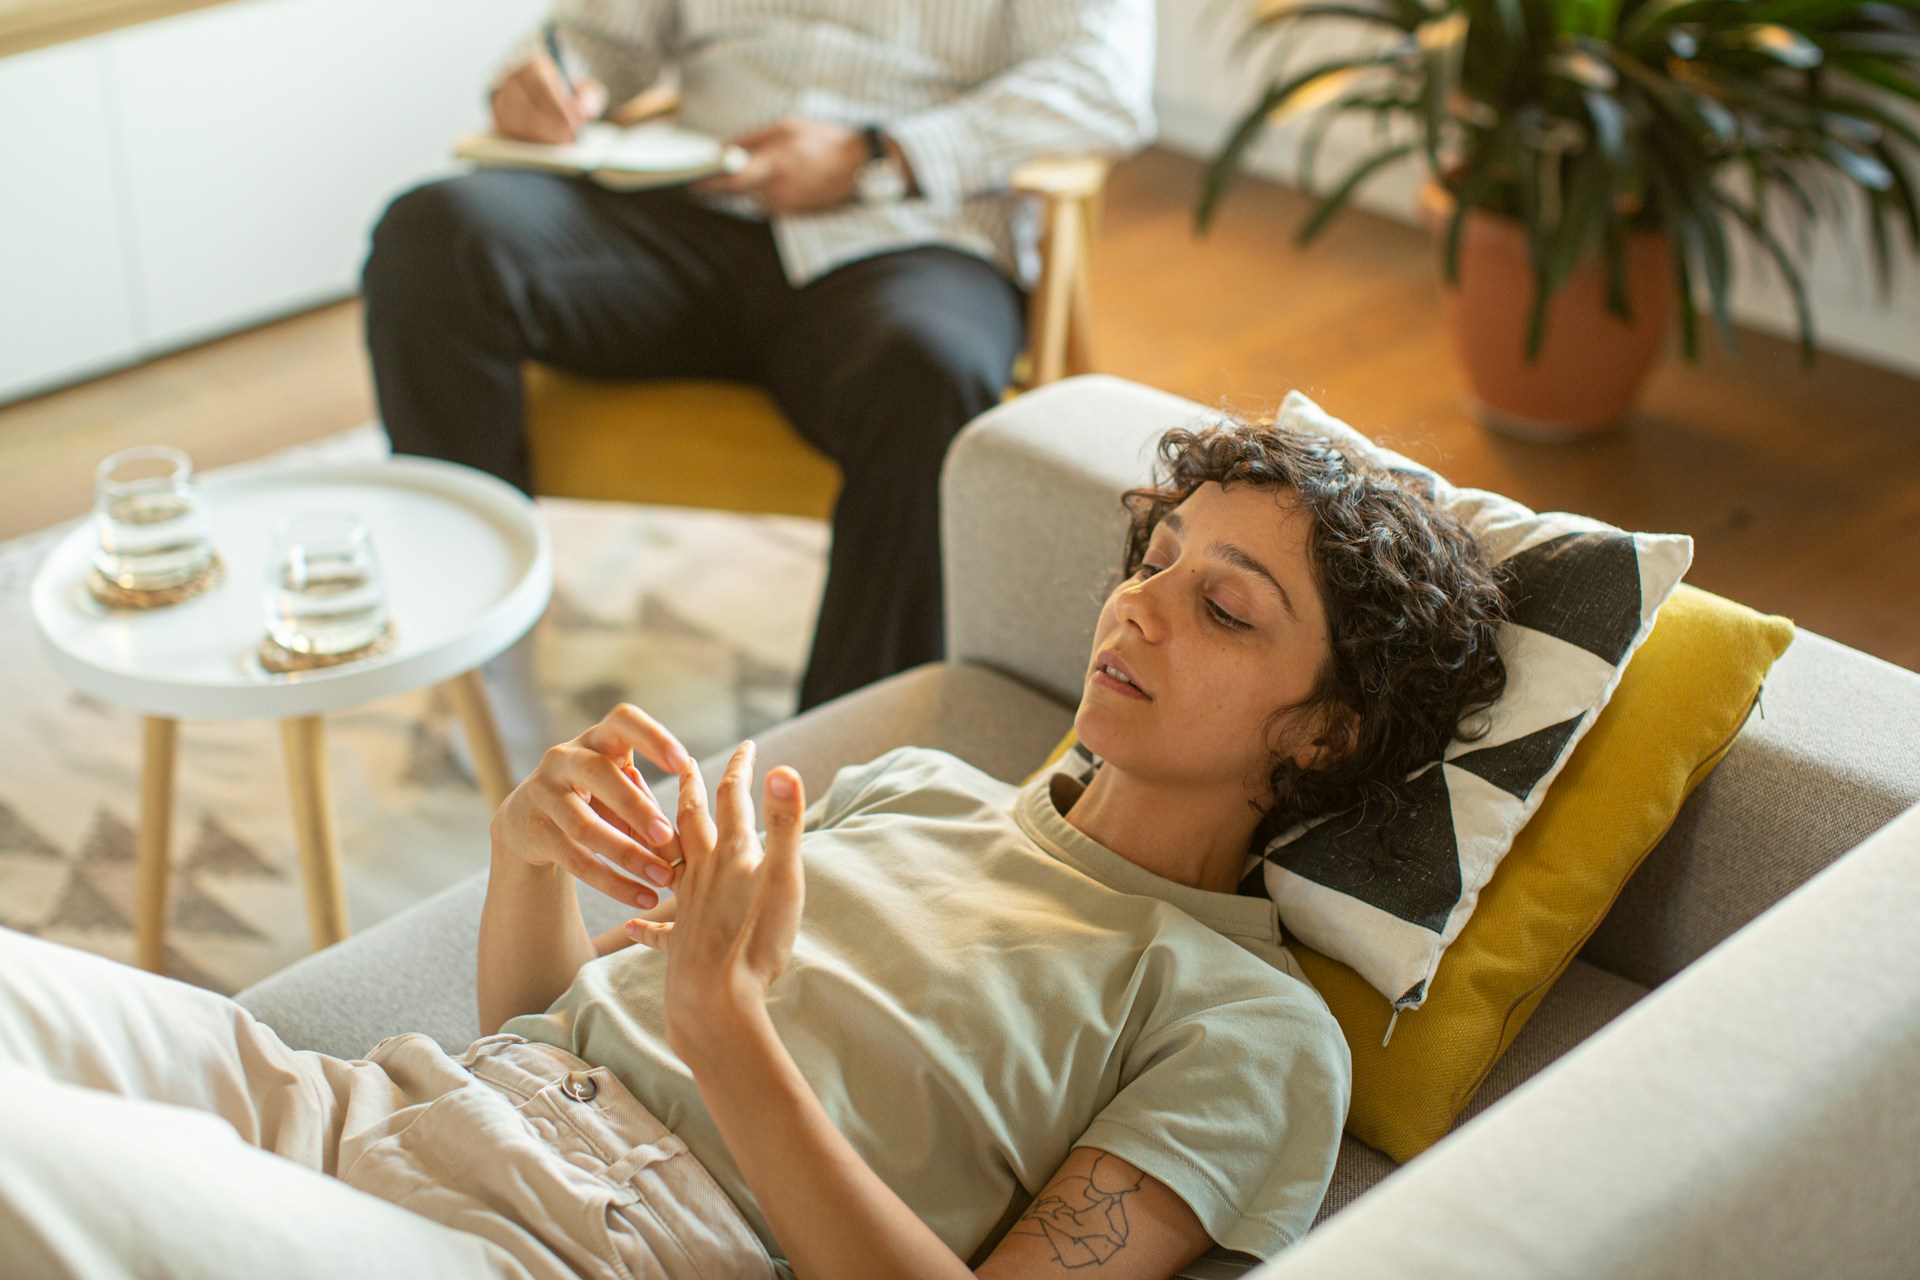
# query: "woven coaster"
x,y
283,661
115,596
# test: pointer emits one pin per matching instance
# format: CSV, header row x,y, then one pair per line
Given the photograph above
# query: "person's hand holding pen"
x,y
538,101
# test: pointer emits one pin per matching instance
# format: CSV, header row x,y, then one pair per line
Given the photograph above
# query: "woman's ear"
x,y
1335,730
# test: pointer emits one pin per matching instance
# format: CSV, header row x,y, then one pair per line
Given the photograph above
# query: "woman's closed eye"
x,y
1226,619
1147,569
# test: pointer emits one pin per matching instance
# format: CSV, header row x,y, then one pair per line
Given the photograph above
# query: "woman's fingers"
x,y
583,862
617,785
652,933
607,813
786,804
695,826
626,729
574,817
611,818
786,878
605,805
783,883
733,802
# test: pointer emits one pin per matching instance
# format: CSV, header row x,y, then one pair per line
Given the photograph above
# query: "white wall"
x,y
1202,87
193,176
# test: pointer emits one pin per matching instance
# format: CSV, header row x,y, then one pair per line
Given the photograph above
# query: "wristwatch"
x,y
882,179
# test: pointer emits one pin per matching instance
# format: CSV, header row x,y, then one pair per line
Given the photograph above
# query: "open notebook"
x,y
625,159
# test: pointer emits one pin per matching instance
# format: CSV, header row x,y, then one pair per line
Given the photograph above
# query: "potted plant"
x,y
1591,162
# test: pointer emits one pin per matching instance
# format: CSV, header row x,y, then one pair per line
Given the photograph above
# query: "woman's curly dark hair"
x,y
1411,603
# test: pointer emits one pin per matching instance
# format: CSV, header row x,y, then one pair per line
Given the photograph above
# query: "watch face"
x,y
880,182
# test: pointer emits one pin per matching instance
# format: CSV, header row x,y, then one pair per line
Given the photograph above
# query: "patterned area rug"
x,y
703,618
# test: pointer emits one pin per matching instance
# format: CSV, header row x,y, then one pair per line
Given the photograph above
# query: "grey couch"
x,y
1725,1083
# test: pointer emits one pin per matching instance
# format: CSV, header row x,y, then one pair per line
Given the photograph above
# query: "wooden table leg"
x,y
306,745
469,694
152,844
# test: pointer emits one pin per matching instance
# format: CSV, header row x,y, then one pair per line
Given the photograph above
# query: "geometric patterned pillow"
x,y
1386,899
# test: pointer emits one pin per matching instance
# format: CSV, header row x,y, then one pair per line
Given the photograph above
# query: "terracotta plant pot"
x,y
1591,365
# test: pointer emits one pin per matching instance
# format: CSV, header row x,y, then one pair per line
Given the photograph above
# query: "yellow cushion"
x,y
1681,702
674,442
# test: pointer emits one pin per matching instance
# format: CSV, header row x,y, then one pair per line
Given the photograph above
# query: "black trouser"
x,y
878,363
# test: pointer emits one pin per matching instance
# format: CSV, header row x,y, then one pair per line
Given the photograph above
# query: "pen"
x,y
551,31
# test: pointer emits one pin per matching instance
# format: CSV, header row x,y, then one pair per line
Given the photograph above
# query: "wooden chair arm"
x,y
1062,177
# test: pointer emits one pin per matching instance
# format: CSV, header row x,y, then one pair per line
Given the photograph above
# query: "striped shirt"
x,y
970,89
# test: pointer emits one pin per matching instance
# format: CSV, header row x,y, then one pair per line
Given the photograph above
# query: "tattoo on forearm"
x,y
1084,1219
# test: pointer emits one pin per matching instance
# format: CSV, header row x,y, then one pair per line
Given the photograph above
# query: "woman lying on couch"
x,y
1023,1030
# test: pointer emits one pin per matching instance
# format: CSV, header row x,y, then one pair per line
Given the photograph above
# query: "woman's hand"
x,y
738,904
586,802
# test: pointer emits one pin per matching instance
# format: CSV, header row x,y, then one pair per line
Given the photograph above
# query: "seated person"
x,y
938,1023
865,267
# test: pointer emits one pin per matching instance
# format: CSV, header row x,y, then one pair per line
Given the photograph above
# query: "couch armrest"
x,y
1032,527
1754,1116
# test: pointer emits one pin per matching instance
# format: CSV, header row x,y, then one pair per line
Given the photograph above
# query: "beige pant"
x,y
151,1128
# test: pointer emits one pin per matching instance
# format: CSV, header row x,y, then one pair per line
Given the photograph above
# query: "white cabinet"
x,y
263,139
193,176
66,308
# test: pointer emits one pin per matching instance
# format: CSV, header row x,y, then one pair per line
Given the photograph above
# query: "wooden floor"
x,y
1801,489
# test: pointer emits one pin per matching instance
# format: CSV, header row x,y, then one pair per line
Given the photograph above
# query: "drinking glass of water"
x,y
325,595
152,526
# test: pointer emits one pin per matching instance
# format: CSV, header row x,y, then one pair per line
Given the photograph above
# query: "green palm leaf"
x,y
1360,173
1803,309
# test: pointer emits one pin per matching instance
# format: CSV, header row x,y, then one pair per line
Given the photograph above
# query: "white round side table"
x,y
468,570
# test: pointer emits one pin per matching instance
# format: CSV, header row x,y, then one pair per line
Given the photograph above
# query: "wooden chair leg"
x,y
469,695
1060,311
1079,355
306,745
1053,296
152,845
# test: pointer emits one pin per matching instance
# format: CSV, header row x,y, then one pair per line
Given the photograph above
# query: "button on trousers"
x,y
150,1128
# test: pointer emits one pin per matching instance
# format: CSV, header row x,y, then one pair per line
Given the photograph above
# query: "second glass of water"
x,y
325,595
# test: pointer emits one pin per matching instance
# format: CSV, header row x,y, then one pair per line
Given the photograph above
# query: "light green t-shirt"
x,y
978,988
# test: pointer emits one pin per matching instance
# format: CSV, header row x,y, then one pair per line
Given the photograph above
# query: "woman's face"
x,y
1221,627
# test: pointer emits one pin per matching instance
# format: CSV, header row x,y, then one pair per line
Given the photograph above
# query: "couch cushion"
x,y
415,971
1584,1000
